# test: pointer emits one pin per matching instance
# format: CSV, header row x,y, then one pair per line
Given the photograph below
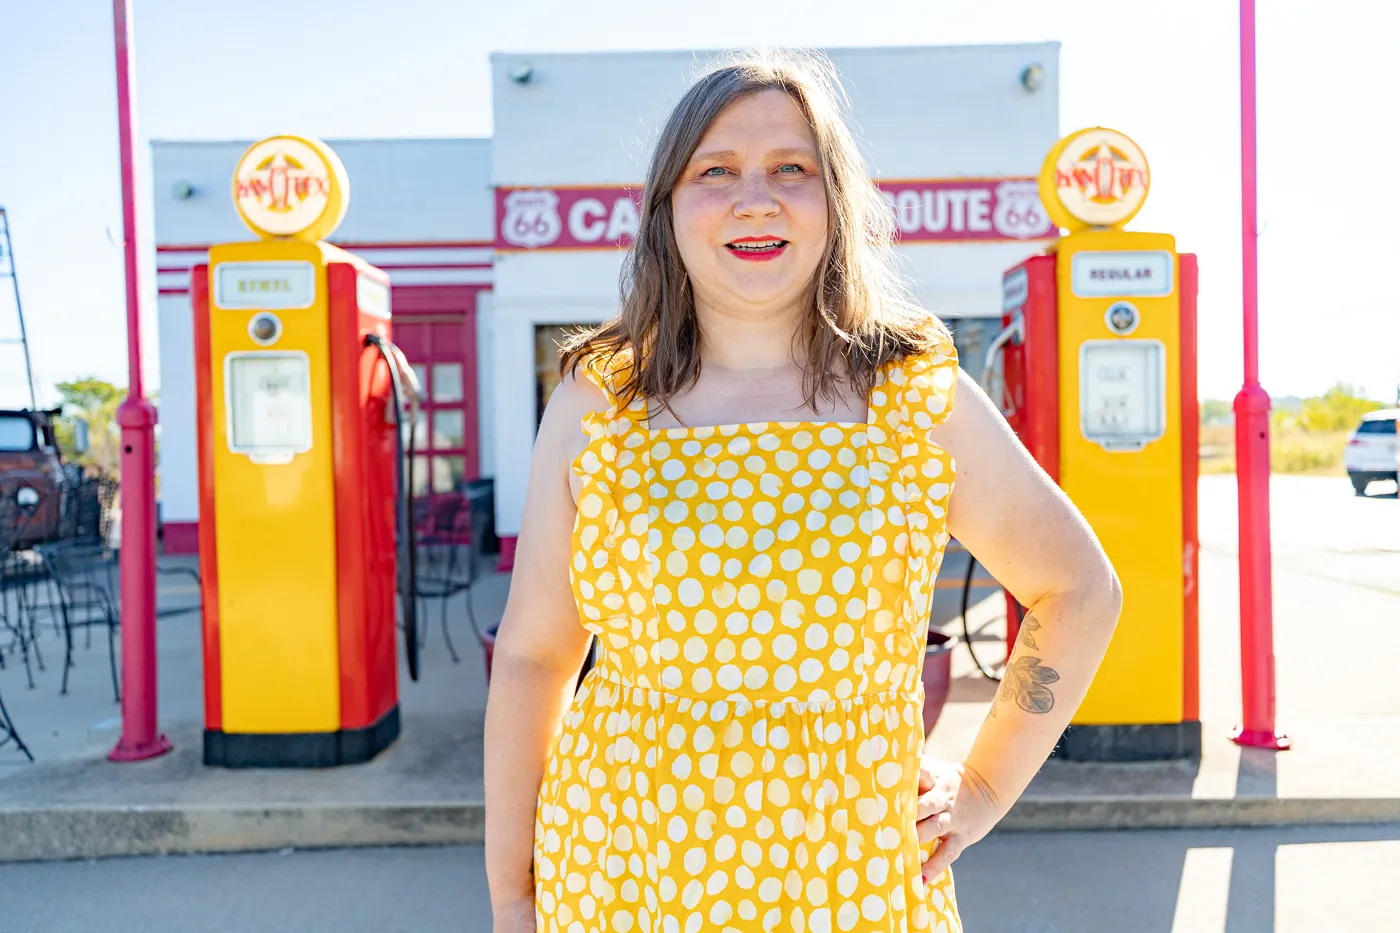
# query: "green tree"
x,y
1216,411
95,402
1339,409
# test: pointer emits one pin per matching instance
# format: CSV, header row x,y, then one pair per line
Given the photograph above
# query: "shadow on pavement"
x,y
1175,881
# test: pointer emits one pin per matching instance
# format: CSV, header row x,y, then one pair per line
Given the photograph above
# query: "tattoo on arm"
x,y
1026,681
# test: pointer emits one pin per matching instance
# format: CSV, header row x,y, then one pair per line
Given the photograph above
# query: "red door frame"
x,y
454,305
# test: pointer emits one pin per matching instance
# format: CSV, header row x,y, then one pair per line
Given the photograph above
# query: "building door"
x,y
435,326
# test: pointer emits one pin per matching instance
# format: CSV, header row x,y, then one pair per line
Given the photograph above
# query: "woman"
x,y
750,521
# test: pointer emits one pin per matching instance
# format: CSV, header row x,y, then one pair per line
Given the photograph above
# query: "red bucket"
x,y
937,676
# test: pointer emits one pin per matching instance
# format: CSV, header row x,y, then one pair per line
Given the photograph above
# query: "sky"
x,y
1166,73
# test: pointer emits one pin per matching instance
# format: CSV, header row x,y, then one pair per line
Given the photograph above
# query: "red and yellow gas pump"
x,y
1098,363
303,511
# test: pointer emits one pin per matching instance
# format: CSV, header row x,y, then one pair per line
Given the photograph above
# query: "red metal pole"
x,y
137,418
1257,728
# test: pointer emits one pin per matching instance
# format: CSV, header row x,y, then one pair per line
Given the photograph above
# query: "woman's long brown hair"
x,y
860,314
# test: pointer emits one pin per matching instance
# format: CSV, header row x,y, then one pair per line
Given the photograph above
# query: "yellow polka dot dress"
x,y
744,755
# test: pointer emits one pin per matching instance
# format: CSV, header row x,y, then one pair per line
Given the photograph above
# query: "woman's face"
x,y
750,208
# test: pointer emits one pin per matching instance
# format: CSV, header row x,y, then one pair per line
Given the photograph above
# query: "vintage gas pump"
x,y
1098,363
304,509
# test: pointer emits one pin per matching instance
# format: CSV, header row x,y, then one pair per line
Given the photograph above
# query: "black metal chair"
x,y
83,574
22,587
446,559
8,733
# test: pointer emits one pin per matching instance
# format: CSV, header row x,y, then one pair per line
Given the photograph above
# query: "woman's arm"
x,y
1024,530
539,650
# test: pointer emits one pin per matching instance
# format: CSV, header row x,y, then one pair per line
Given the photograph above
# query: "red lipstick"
x,y
757,248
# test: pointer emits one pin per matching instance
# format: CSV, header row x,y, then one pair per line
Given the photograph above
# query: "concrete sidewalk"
x,y
1337,596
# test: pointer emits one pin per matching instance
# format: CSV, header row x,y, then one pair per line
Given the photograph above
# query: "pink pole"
x,y
1257,728
137,418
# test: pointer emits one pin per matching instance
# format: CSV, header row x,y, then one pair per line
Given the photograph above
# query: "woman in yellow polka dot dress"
x,y
750,522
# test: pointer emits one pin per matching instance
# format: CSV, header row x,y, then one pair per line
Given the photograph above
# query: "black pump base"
x,y
300,749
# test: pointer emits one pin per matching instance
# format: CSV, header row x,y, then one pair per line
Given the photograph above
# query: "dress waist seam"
x,y
600,676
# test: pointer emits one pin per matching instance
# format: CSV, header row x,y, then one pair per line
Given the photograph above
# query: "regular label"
x,y
282,284
1109,274
1015,287
372,296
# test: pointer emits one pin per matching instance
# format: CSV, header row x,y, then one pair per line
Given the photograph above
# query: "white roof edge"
x,y
193,143
691,53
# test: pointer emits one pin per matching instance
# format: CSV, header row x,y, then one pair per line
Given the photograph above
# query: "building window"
x,y
548,339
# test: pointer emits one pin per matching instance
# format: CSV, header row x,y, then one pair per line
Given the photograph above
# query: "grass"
x,y
1310,453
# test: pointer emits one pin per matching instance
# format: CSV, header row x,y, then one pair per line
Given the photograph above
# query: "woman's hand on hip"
x,y
956,806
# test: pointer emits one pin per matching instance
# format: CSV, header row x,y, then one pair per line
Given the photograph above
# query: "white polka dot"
x,y
764,512
784,647
690,592
808,581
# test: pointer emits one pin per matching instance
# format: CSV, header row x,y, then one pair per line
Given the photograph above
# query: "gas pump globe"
x,y
1097,358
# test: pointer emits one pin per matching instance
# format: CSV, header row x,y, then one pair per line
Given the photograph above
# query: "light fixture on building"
x,y
523,73
1033,77
182,190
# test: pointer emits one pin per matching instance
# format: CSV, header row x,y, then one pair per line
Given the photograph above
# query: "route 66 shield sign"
x,y
531,218
1018,212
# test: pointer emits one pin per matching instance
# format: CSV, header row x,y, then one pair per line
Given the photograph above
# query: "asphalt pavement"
x,y
1299,880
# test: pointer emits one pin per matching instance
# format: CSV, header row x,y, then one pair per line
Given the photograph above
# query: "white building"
x,y
494,245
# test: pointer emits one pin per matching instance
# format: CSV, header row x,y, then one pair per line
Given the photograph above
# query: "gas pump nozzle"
x,y
405,387
1013,332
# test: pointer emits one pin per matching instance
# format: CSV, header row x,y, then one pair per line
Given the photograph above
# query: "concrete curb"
x,y
1061,814
50,834
82,832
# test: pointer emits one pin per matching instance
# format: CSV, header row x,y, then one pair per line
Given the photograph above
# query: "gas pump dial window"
x,y
1122,392
269,405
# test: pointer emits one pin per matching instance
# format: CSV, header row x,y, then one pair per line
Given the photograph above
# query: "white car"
x,y
1373,451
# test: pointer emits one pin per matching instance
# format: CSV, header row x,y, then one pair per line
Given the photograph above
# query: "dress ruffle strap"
x,y
610,467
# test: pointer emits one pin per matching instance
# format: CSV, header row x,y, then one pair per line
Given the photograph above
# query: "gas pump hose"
x,y
404,479
967,626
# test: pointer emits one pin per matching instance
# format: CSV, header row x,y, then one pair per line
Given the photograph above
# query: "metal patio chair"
x,y
8,733
23,585
446,563
83,575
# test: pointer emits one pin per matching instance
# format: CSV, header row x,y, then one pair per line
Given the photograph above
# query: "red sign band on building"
x,y
938,210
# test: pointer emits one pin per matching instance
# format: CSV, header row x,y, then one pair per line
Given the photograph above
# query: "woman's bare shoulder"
x,y
561,429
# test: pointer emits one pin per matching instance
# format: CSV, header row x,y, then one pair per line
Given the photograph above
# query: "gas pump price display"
x,y
1122,392
269,405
